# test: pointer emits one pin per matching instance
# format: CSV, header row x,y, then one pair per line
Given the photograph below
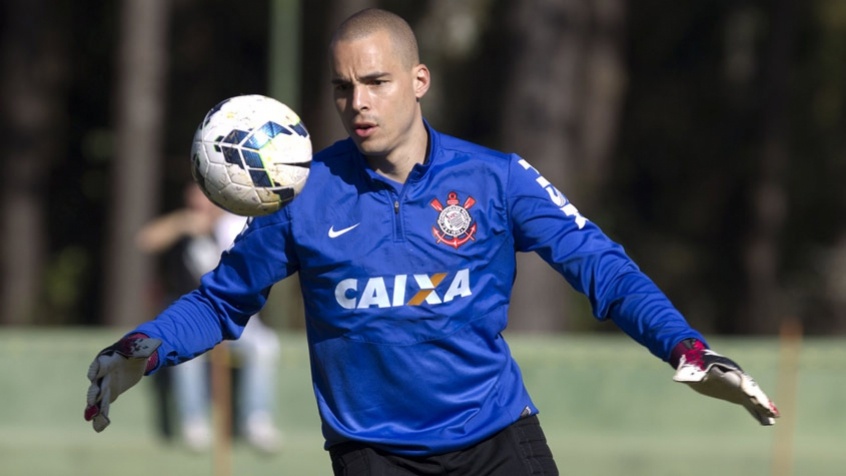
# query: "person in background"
x,y
189,242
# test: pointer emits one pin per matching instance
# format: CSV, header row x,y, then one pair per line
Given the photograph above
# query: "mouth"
x,y
364,129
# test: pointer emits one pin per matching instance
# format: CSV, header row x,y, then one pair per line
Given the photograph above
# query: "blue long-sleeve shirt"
x,y
406,290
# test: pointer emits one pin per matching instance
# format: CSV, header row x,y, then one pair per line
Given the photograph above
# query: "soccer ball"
x,y
251,155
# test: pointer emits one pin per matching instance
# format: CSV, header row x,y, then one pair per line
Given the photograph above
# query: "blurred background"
x,y
705,136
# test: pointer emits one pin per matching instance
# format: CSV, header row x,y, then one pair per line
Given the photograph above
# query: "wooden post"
x,y
790,343
222,407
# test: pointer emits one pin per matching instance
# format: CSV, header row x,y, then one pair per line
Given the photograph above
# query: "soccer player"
x,y
405,239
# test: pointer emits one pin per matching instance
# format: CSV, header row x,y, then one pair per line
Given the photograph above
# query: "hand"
x,y
115,369
711,374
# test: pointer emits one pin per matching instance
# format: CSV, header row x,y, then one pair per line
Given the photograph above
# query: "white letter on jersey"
x,y
460,286
341,293
557,197
374,294
426,285
399,290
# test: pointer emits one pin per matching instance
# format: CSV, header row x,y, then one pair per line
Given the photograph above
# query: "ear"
x,y
421,80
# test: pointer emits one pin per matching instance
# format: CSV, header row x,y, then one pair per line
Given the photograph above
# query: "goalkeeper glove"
x,y
711,374
115,369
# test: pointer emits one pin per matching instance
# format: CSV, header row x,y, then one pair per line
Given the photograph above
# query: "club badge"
x,y
455,223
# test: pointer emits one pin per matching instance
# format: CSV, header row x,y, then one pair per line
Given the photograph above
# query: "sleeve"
x,y
544,221
228,295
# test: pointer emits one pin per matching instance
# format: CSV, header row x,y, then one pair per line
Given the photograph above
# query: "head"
x,y
378,81
196,201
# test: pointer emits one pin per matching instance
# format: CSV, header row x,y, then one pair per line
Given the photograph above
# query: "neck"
x,y
397,164
396,169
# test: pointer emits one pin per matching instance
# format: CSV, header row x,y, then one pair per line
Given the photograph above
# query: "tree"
x,y
32,85
561,108
135,174
768,198
320,20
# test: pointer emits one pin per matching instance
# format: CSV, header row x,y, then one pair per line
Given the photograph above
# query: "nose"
x,y
360,100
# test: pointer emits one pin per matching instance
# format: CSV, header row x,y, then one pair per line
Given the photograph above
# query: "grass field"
x,y
607,406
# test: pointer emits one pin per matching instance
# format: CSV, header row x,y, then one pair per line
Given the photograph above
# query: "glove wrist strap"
x,y
153,360
692,351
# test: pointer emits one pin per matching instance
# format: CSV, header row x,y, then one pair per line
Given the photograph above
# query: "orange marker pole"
x,y
790,345
222,405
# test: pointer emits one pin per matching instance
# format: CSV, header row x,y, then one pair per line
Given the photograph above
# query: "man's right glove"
x,y
115,369
711,374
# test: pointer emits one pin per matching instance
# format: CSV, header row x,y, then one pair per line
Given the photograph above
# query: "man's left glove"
x,y
711,374
115,369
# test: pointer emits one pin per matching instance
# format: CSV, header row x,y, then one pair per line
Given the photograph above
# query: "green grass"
x,y
607,406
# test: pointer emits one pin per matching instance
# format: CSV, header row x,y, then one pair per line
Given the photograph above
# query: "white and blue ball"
x,y
251,155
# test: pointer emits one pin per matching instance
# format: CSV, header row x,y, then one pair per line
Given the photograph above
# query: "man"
x,y
404,239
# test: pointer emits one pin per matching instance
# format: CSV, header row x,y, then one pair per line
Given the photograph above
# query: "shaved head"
x,y
377,82
373,20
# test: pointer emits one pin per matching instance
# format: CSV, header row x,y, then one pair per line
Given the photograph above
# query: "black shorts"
x,y
519,450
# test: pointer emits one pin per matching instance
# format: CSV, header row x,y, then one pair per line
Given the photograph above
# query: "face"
x,y
376,95
197,201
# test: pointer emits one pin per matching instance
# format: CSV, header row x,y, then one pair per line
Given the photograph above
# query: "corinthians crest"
x,y
455,223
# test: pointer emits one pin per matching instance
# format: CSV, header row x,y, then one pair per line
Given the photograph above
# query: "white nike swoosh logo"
x,y
333,233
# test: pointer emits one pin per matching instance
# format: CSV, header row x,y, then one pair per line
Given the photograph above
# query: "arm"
x,y
217,310
545,222
596,266
161,233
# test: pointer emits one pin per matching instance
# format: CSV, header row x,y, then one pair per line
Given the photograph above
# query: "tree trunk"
x,y
603,83
560,114
32,68
136,167
321,19
285,304
765,305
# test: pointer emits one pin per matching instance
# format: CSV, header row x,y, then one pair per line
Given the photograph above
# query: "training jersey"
x,y
406,289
